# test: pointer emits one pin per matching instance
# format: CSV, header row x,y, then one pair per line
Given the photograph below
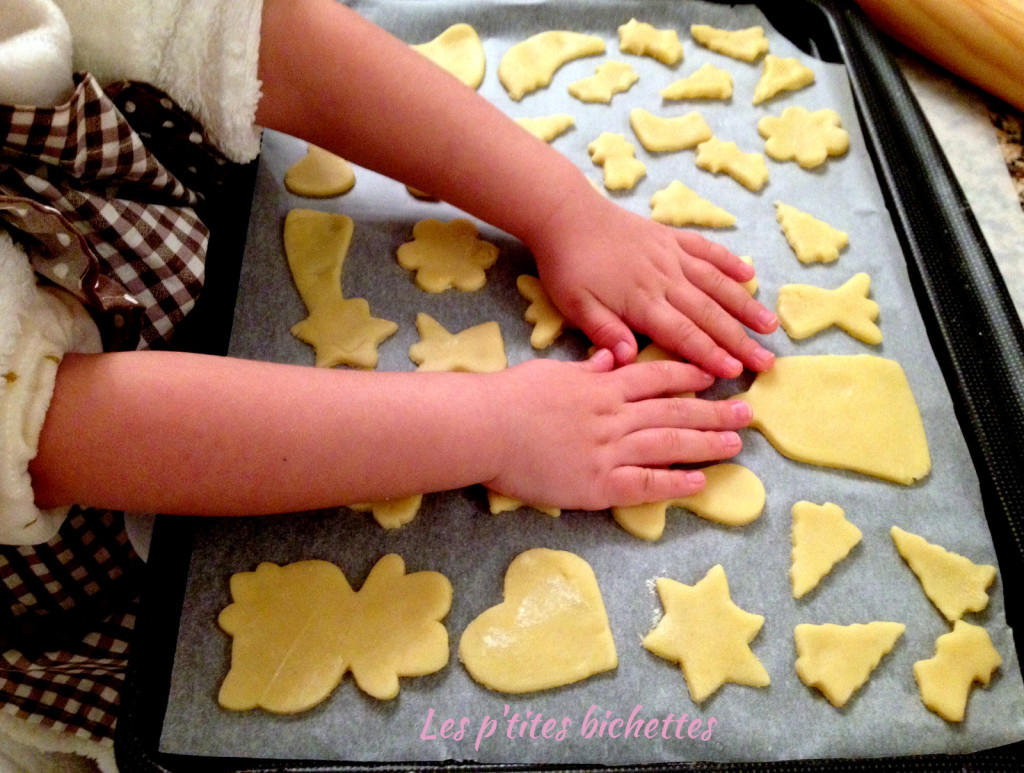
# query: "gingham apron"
x,y
103,217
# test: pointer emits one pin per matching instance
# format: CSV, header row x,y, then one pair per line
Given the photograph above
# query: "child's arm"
x,y
340,82
185,433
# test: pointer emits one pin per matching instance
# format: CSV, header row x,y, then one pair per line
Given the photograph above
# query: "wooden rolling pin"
x,y
979,40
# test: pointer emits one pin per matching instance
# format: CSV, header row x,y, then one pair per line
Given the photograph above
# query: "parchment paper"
x,y
455,534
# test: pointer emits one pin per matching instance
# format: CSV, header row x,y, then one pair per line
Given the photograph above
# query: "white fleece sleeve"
x,y
203,53
37,327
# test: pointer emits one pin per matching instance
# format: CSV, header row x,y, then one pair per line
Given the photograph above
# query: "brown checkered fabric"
x,y
103,217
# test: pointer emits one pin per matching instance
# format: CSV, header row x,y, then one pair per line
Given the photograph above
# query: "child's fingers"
x,y
715,254
638,485
645,380
666,446
731,296
606,330
689,413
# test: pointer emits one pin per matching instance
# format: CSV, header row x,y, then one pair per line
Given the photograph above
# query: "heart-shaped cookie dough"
x,y
551,629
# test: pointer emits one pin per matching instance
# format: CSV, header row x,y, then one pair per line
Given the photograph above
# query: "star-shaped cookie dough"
x,y
660,135
804,310
707,82
477,349
955,584
822,537
548,322
812,240
805,137
745,44
446,255
962,657
748,169
781,74
609,79
679,206
643,39
622,170
707,634
838,659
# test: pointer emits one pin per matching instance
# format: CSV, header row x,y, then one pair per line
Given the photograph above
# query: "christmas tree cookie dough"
x,y
622,170
822,537
319,174
341,330
459,51
447,255
807,138
532,63
297,629
547,127
962,657
781,74
839,659
609,79
643,39
660,135
550,630
748,169
745,44
477,349
707,82
679,206
954,584
732,496
804,310
812,240
391,513
851,412
499,503
548,322
707,635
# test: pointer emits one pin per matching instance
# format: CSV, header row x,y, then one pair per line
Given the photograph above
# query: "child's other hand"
x,y
587,436
612,272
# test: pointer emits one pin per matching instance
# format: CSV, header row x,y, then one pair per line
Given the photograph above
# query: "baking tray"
x,y
970,322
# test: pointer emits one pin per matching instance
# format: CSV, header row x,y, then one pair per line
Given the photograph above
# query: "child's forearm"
x,y
181,433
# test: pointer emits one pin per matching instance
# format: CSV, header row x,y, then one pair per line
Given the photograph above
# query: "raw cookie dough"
x,y
477,349
532,63
296,630
748,169
547,127
962,657
341,330
660,135
679,206
852,412
319,174
550,630
391,513
609,79
812,240
804,310
459,51
804,137
839,659
707,635
707,82
548,322
781,74
954,584
732,496
499,503
622,170
445,255
643,39
750,285
746,44
822,537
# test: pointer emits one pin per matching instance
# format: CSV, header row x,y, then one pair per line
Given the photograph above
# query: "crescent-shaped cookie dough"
x,y
532,63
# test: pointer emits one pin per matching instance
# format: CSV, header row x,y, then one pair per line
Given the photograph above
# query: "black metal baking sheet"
x,y
970,321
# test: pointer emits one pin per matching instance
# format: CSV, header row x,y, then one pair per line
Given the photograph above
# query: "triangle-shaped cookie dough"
x,y
954,584
811,239
477,349
804,310
745,44
839,659
679,206
822,537
962,657
707,82
319,174
781,74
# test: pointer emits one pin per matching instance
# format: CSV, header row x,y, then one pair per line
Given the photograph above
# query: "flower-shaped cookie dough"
x,y
804,137
445,255
297,629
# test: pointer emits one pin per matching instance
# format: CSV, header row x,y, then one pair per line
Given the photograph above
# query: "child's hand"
x,y
585,436
611,272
